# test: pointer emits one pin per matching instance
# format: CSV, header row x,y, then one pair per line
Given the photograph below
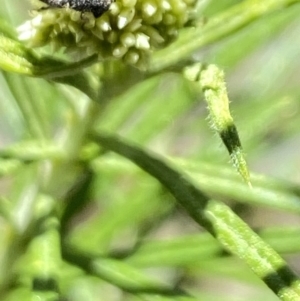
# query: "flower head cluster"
x,y
128,30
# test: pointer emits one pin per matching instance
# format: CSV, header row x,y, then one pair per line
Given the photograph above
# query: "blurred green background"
x,y
127,214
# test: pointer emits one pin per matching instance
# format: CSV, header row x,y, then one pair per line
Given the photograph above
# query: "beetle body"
x,y
96,7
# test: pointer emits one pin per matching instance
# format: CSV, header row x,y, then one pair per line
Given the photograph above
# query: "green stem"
x,y
199,248
217,28
120,274
42,261
15,57
216,218
221,181
35,123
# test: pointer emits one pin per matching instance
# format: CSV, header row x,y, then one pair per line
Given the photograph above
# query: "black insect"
x,y
96,7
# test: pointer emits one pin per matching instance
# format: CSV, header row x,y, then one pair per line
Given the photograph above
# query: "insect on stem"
x,y
96,7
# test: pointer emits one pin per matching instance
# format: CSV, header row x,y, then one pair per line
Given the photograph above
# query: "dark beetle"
x,y
96,7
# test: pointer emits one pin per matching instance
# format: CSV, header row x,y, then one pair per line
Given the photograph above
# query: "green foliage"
x,y
114,187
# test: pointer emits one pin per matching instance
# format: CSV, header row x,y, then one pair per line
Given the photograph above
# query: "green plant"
x,y
87,215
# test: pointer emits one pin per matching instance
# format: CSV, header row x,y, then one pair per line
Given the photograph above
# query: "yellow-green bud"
x,y
129,30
